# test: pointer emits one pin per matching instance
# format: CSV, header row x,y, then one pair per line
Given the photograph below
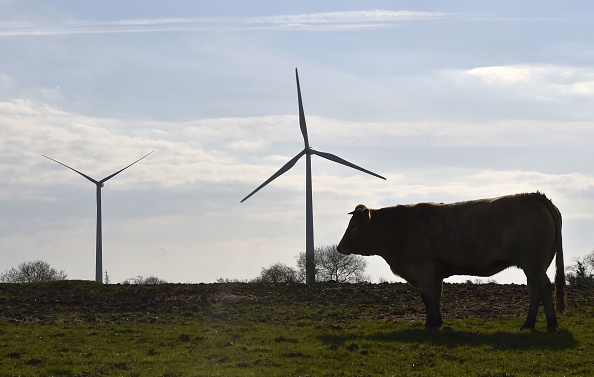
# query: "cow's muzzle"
x,y
342,250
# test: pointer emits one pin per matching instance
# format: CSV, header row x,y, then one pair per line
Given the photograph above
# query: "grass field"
x,y
78,328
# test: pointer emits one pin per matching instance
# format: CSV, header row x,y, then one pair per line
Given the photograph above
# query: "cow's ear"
x,y
366,215
359,208
364,211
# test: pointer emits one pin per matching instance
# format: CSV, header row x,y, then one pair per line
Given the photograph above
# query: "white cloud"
x,y
448,133
377,15
326,21
583,88
567,80
521,74
561,182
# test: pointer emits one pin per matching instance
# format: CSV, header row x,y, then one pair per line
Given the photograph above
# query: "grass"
x,y
273,334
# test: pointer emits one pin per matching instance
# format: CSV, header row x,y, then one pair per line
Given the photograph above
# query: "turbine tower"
x,y
99,184
308,151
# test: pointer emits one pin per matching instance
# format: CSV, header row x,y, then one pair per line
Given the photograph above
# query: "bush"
x,y
278,273
28,272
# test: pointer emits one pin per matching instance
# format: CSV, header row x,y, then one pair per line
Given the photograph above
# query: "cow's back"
x,y
479,237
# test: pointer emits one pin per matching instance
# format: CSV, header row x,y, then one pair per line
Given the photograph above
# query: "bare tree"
x,y
589,260
36,271
582,272
141,280
333,266
278,273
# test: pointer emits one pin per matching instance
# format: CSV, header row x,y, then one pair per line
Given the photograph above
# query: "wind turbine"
x,y
99,184
308,151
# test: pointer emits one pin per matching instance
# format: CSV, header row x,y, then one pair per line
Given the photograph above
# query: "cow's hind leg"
x,y
546,296
431,295
539,289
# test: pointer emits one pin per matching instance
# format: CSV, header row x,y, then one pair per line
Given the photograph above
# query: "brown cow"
x,y
427,242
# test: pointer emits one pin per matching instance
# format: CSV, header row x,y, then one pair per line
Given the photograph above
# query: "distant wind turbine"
x,y
99,242
308,151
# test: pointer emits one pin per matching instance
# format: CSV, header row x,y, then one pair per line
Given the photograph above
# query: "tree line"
x,y
330,265
41,271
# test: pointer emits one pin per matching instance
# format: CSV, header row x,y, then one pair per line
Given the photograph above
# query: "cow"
x,y
427,242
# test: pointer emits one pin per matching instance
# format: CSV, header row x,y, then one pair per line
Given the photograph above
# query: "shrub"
x,y
28,272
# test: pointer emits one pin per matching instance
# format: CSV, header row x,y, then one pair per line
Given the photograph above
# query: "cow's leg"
x,y
539,288
546,297
533,308
431,295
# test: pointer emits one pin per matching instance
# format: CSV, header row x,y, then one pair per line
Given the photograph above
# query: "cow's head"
x,y
358,237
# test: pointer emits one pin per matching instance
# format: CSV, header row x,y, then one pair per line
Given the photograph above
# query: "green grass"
x,y
357,348
251,338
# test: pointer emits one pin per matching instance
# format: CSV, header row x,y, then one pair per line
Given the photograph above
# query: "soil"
x,y
90,302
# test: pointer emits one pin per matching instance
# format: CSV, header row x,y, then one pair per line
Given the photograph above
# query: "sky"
x,y
449,101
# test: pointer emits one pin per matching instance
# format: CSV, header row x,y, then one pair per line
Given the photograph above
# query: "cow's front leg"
x,y
431,295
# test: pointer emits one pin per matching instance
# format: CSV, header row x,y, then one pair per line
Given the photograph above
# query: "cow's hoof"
x,y
428,327
434,323
552,325
528,326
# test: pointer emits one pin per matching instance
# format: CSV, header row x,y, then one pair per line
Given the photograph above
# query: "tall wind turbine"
x,y
308,151
99,184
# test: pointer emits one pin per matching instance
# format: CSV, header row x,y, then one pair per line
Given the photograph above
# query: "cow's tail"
x,y
559,264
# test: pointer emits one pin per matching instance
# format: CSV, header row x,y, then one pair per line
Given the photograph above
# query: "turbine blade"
x,y
334,158
121,170
280,172
301,113
84,175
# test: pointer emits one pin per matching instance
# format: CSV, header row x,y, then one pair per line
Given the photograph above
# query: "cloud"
x,y
235,149
563,182
326,21
510,74
447,133
567,80
585,88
